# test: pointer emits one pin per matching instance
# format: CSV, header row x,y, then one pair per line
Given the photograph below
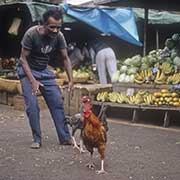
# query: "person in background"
x,y
38,44
103,58
75,55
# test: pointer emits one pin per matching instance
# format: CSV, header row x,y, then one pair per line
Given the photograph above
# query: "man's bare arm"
x,y
67,64
25,65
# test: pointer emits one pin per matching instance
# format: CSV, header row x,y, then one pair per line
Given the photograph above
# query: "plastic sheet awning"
x,y
119,22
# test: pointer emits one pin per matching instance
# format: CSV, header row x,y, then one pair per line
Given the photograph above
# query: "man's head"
x,y
52,21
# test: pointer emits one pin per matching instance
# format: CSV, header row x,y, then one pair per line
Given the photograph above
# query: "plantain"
x,y
119,99
104,96
158,74
166,68
138,99
98,97
113,96
139,81
176,78
139,77
160,78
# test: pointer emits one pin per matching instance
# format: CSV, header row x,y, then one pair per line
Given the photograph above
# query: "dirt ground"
x,y
134,152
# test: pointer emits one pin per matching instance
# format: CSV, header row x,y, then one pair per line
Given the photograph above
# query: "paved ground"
x,y
134,152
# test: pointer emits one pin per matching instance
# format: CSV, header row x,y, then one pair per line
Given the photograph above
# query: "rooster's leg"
x,y
81,146
75,143
91,164
102,168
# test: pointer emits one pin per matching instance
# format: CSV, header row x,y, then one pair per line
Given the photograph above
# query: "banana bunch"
x,y
139,79
139,99
142,93
135,99
144,76
122,98
113,96
174,79
148,100
166,68
160,77
132,99
102,96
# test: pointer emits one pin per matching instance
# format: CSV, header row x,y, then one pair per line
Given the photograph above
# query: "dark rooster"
x,y
76,122
94,131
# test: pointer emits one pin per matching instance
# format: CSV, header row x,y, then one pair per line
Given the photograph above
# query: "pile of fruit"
x,y
164,75
142,97
79,73
8,63
164,97
159,66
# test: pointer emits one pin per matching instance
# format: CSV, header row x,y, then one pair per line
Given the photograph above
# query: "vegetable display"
x,y
158,67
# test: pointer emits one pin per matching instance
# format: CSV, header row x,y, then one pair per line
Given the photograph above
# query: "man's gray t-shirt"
x,y
41,47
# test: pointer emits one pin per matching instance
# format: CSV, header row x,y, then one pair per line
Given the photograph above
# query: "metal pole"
x,y
145,31
157,39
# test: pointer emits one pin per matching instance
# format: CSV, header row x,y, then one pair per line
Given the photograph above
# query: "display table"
x,y
137,108
118,87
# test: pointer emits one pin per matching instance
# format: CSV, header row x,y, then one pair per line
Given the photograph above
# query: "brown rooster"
x,y
93,133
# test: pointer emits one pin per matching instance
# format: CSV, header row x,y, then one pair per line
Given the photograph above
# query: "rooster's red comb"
x,y
85,99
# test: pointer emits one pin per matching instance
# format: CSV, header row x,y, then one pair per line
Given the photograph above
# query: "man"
x,y
103,57
75,55
38,44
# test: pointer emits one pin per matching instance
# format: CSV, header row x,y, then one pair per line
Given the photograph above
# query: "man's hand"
x,y
35,87
70,86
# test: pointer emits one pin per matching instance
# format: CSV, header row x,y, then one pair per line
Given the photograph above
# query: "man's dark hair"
x,y
55,13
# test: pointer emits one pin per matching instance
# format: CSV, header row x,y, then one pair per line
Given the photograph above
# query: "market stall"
x,y
25,15
141,83
22,16
146,83
147,5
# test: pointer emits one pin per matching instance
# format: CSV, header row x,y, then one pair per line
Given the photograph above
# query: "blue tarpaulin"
x,y
119,22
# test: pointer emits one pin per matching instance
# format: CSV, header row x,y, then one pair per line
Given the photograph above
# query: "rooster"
x,y
76,122
94,132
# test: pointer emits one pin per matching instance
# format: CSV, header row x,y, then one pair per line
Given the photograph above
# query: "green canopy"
x,y
158,17
36,9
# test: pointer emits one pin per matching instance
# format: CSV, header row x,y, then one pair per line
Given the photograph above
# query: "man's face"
x,y
53,26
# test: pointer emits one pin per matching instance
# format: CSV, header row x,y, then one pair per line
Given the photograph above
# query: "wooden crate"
x,y
72,104
10,99
3,97
19,103
7,98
